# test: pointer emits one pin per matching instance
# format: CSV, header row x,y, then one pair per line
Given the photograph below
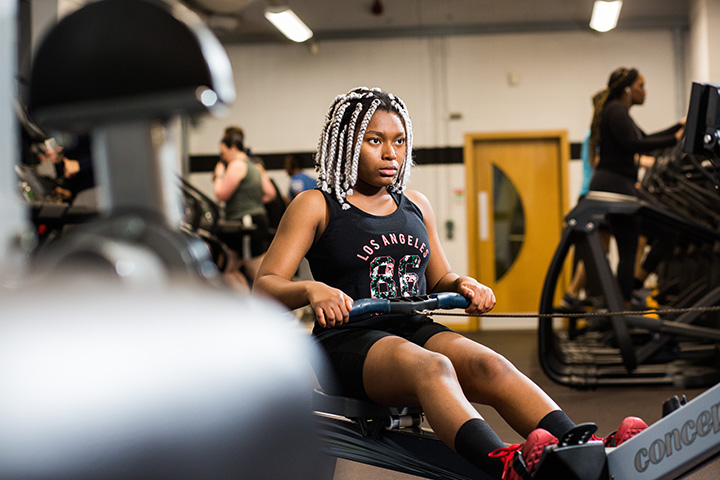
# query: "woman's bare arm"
x,y
227,178
303,221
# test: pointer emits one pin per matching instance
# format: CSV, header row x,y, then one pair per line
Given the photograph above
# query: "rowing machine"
x,y
686,439
393,438
390,437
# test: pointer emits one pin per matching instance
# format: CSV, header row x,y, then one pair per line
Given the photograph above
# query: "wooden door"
x,y
516,193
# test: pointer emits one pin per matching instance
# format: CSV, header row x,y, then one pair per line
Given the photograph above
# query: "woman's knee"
x,y
491,367
410,376
434,366
488,377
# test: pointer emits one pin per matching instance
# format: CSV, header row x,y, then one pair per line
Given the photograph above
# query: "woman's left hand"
x,y
482,298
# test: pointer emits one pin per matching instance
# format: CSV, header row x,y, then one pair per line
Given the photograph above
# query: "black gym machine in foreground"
x,y
121,356
681,348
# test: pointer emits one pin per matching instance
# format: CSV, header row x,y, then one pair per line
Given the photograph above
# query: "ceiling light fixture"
x,y
605,15
288,23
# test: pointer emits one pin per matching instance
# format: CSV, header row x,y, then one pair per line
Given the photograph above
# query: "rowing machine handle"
x,y
408,305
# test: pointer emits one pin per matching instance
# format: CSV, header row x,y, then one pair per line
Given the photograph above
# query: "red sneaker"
x,y
629,427
531,452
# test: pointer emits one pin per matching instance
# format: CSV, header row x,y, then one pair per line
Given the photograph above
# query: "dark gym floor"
x,y
605,406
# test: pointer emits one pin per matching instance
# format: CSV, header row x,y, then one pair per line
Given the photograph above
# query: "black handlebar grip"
x,y
408,305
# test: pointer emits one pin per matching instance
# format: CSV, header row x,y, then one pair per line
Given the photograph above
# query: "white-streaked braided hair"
x,y
338,152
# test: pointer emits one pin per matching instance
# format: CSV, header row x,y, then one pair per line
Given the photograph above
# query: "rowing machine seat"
x,y
371,417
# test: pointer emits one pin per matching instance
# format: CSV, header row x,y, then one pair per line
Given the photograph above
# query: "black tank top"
x,y
368,256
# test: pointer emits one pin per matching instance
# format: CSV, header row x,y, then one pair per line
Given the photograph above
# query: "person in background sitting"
x,y
299,181
238,183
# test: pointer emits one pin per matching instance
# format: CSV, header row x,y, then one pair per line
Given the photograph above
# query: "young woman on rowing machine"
x,y
365,235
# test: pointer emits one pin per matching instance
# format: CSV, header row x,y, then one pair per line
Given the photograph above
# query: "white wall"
x,y
284,91
557,74
703,49
44,15
713,19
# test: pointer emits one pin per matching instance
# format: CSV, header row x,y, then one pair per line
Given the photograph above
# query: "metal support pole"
x,y
12,218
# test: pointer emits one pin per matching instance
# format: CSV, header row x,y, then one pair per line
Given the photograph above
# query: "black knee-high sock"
x,y
556,422
474,441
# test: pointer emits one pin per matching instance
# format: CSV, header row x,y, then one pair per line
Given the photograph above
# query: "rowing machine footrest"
x,y
575,457
672,404
578,435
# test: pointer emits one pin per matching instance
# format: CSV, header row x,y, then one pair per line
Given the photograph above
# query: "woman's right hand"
x,y
219,171
331,306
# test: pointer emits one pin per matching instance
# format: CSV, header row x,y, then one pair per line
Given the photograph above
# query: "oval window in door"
x,y
509,222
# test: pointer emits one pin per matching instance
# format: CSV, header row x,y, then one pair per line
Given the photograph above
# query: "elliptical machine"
x,y
603,347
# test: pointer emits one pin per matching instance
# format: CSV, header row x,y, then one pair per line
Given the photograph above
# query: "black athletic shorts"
x,y
346,348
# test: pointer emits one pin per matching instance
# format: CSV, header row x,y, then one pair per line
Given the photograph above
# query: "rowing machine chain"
x,y
667,311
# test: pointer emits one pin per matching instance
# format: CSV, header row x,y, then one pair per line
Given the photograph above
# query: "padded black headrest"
x,y
118,59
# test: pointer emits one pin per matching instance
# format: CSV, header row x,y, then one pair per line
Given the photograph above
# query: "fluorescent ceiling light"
x,y
605,15
288,23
